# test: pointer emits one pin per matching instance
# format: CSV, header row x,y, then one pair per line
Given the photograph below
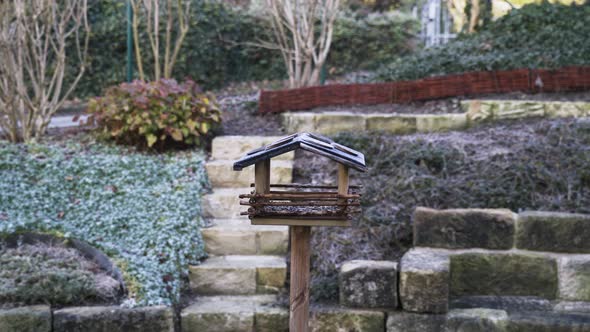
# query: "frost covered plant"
x,y
56,275
143,210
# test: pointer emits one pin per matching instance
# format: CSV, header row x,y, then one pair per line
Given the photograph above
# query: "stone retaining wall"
x,y
482,270
474,112
41,318
470,270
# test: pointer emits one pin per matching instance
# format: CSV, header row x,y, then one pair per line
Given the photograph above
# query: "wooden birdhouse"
x,y
301,206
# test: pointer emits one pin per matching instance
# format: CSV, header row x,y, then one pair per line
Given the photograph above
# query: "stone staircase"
x,y
246,264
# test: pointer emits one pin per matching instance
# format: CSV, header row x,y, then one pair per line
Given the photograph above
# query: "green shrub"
x,y
142,210
366,42
536,36
155,114
219,46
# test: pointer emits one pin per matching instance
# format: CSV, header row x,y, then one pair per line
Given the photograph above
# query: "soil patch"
x,y
240,117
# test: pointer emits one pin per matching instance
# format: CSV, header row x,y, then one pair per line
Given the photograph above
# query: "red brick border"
x,y
466,84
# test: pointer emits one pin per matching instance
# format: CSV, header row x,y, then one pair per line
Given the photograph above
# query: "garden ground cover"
x,y
522,165
141,209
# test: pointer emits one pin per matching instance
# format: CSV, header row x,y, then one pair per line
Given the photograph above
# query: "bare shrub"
x,y
35,37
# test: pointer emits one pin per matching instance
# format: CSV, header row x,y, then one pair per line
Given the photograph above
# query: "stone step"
x,y
234,313
239,275
221,173
235,147
263,314
239,237
223,203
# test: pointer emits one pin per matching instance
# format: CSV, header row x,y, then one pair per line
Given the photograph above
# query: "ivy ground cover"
x,y
142,210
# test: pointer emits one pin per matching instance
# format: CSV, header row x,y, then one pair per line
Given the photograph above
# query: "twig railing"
x,y
302,201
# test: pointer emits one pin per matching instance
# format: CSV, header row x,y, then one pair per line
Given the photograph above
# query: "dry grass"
x,y
537,165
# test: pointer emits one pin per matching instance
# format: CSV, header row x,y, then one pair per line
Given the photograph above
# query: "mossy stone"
x,y
477,320
548,322
26,319
392,123
503,274
554,232
401,321
341,320
271,320
114,319
574,278
424,281
368,284
463,228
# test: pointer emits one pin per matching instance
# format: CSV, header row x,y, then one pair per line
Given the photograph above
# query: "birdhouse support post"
x,y
343,180
300,266
262,177
301,206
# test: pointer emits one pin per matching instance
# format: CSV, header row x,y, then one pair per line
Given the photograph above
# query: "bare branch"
x,y
303,33
34,39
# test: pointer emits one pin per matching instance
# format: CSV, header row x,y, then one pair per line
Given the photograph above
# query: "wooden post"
x,y
342,179
300,266
262,177
342,182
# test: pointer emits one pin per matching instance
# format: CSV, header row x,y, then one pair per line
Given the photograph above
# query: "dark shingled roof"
x,y
306,141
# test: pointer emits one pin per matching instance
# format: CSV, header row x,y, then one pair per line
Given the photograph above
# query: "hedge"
x,y
218,48
536,36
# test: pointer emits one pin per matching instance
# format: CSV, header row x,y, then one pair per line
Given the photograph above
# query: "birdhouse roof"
x,y
306,141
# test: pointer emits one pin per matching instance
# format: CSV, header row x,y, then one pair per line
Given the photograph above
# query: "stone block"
x,y
272,240
574,278
554,232
400,321
557,109
548,322
476,320
223,203
572,306
26,319
464,228
235,147
270,279
424,281
229,240
238,275
428,123
401,124
219,314
114,319
510,274
506,303
334,122
518,109
479,110
271,319
368,284
222,175
216,276
297,122
332,319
